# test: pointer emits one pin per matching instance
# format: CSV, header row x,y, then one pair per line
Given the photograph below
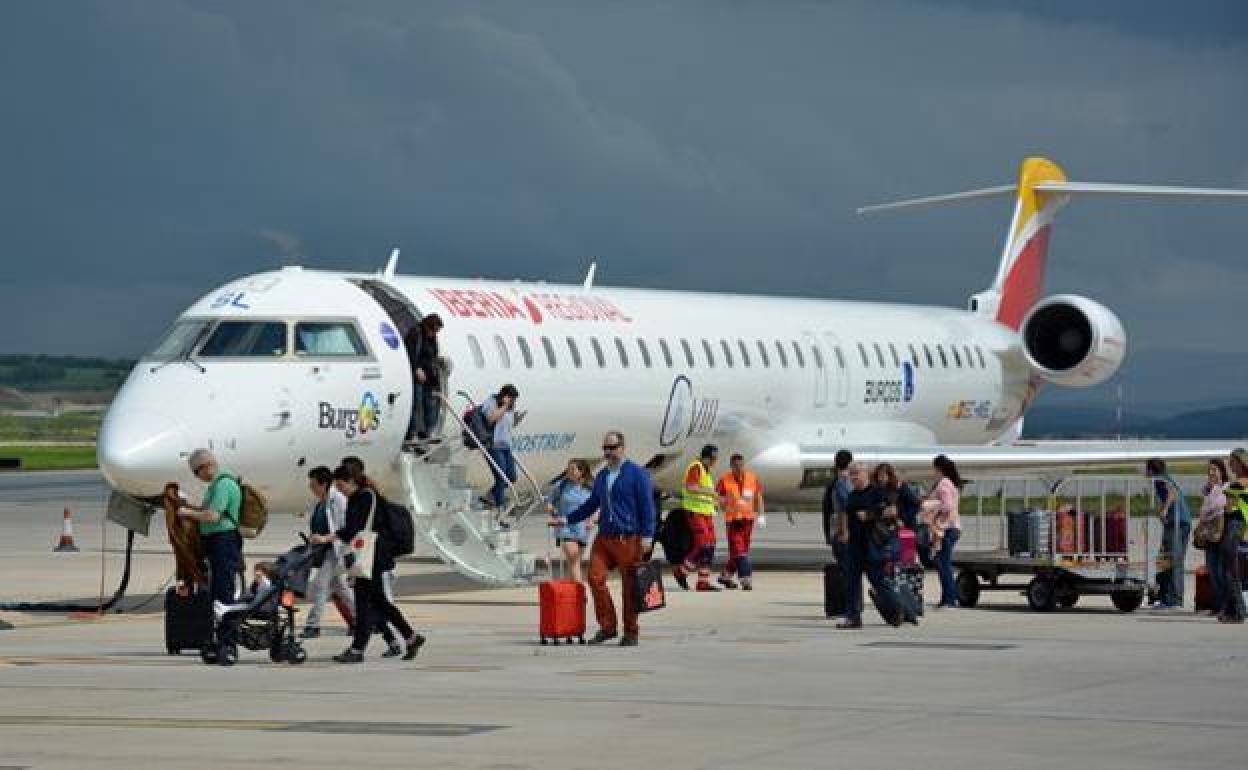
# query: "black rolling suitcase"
x,y
188,620
910,588
888,603
835,593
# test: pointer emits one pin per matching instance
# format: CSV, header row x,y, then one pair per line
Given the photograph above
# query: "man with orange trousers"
x,y
741,498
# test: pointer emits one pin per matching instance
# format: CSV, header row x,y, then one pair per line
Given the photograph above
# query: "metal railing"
x,y
516,496
515,493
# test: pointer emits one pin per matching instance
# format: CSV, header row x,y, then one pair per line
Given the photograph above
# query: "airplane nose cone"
x,y
140,451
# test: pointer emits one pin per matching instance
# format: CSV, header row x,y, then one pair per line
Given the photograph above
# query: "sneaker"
x,y
747,585
413,646
310,633
728,583
682,579
349,656
602,636
628,641
705,586
849,625
393,650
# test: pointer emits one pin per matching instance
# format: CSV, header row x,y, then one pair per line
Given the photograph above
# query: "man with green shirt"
x,y
218,522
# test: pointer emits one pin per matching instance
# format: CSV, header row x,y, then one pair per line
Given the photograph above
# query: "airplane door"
x,y
838,369
821,369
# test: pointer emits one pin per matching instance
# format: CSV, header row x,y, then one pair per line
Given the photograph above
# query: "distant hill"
x,y
1050,422
62,374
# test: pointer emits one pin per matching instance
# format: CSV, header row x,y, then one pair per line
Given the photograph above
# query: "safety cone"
x,y
67,535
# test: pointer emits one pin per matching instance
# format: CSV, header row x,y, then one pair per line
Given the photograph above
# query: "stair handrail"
x,y
515,493
537,488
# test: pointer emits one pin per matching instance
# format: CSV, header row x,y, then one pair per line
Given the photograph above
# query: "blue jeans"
x,y
944,567
1232,581
1171,581
1217,578
506,462
425,411
225,555
859,563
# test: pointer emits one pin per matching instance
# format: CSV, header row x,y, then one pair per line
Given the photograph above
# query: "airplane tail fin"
x,y
1041,190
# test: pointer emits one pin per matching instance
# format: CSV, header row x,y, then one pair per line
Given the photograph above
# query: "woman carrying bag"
x,y
568,494
1209,527
369,558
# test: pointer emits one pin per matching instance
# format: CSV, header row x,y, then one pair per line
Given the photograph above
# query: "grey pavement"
x,y
729,680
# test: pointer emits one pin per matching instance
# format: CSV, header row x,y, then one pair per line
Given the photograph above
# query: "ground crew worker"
x,y
698,497
741,497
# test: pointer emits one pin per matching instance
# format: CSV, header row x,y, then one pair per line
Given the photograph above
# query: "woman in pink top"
x,y
946,524
1212,509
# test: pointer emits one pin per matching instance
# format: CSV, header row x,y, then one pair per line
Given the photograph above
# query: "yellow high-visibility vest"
x,y
702,502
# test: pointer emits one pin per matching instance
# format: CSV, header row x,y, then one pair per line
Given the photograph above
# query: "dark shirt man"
x,y
422,348
865,504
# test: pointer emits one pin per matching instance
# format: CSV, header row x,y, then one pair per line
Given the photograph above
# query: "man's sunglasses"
x,y
199,468
610,447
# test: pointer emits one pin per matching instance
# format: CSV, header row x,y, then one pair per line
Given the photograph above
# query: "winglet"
x,y
589,276
391,264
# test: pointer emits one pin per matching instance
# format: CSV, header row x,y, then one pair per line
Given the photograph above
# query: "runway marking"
x,y
758,641
606,673
425,729
977,646
453,669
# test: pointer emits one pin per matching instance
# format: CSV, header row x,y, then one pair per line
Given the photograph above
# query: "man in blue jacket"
x,y
624,495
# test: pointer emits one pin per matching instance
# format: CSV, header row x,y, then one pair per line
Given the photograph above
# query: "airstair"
x,y
479,542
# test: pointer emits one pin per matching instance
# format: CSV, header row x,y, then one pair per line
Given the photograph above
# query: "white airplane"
x,y
281,371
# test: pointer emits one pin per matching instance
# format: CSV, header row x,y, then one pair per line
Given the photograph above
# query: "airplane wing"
x,y
1020,457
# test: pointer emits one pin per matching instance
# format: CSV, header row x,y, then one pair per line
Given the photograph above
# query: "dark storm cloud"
x,y
152,150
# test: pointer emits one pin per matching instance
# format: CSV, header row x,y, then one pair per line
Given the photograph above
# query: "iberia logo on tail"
x,y
1021,281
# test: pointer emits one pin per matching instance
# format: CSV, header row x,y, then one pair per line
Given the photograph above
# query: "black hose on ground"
x,y
61,607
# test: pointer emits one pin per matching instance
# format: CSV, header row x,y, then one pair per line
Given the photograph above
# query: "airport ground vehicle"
x,y
1078,555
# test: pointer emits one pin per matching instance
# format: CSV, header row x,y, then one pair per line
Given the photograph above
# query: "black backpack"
x,y
479,427
396,528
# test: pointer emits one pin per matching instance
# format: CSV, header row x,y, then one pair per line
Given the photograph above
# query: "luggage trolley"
x,y
1077,541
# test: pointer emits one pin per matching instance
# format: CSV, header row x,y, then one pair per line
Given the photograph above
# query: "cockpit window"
x,y
328,338
250,339
180,340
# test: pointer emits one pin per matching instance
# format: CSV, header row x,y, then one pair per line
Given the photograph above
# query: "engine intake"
x,y
1073,341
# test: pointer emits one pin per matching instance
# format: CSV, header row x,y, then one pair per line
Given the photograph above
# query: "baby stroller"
x,y
265,620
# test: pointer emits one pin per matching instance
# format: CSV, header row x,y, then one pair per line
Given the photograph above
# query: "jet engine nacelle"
x,y
1073,341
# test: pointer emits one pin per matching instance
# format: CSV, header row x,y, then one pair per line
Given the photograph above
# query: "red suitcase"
x,y
562,605
1204,589
909,555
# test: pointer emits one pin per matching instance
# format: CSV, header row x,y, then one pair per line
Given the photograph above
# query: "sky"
x,y
150,151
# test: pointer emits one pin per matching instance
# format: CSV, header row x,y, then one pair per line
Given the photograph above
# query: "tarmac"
x,y
728,680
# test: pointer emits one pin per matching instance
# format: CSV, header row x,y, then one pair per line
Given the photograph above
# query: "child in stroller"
x,y
265,619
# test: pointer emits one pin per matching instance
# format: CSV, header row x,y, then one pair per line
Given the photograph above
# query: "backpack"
x,y
397,528
253,514
479,427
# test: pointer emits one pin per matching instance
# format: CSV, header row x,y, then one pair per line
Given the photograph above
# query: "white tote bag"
x,y
363,545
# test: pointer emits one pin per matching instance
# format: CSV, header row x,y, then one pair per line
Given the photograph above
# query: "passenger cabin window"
x,y
525,353
645,352
914,354
667,353
602,360
980,352
879,355
784,360
862,353
927,353
684,344
814,351
762,354
504,355
246,339
619,348
710,357
840,357
797,355
328,338
944,360
723,344
957,359
575,352
745,353
892,349
478,357
970,360
550,352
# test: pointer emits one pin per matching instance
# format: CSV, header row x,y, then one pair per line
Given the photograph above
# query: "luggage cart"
x,y
1088,548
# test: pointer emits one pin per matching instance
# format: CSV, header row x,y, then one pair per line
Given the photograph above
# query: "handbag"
x,y
648,587
1208,532
363,547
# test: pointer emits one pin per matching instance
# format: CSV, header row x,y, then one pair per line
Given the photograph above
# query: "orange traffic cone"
x,y
67,535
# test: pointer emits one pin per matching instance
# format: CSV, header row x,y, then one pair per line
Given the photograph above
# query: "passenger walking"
x,y
371,603
1233,537
863,509
941,511
568,494
218,517
623,497
500,413
1176,522
697,496
422,348
899,494
1209,529
741,497
331,578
